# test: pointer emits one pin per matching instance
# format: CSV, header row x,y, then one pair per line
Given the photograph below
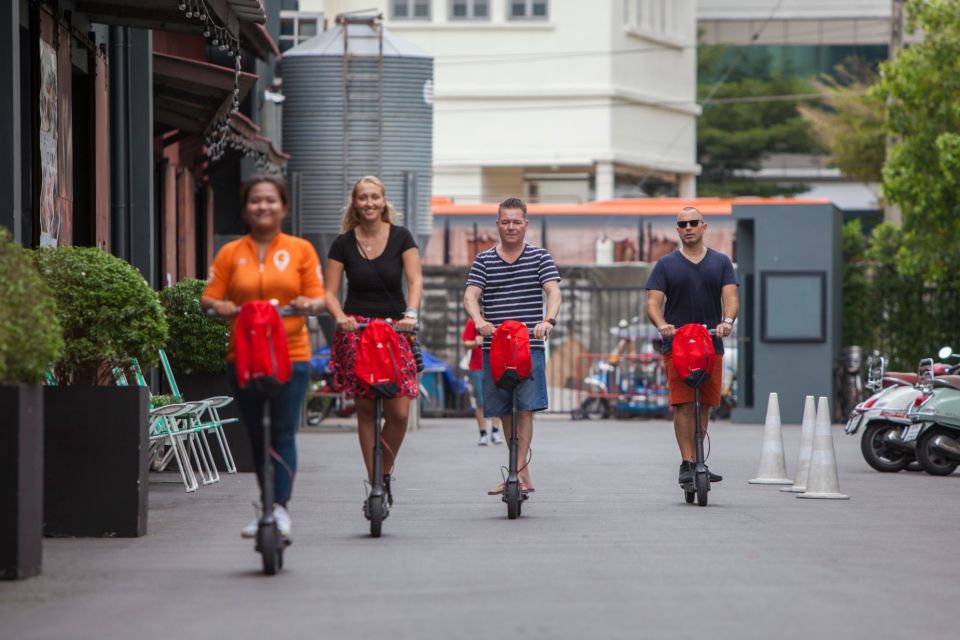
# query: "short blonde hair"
x,y
351,218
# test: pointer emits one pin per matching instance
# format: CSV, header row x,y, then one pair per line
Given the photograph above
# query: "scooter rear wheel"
x,y
688,496
934,462
876,452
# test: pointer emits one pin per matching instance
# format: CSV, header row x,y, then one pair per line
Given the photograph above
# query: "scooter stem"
x,y
376,488
514,439
267,497
698,431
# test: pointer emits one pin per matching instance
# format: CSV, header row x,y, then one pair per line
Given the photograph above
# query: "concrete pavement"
x,y
606,548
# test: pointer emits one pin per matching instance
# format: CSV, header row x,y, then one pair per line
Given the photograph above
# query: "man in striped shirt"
x,y
508,282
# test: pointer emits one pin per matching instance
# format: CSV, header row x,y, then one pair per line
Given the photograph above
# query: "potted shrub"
x,y
30,340
197,348
96,435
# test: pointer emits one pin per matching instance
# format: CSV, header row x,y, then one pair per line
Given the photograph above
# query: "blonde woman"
x,y
377,256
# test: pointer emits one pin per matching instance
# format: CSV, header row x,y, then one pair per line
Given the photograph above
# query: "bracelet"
x,y
411,313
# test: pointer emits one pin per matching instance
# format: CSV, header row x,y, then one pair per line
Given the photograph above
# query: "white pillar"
x,y
604,181
687,185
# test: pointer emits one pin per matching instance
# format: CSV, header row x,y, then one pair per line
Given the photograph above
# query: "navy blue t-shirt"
x,y
693,291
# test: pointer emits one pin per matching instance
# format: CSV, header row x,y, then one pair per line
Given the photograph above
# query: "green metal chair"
x,y
168,440
209,418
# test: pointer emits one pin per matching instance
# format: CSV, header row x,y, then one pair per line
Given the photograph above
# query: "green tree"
x,y
849,122
735,135
922,173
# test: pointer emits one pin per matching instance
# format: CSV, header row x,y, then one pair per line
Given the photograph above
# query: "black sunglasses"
x,y
683,224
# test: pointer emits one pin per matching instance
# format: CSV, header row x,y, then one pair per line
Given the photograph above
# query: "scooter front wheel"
x,y
377,511
268,544
511,495
703,488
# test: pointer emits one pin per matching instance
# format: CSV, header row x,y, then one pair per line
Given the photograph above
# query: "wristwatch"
x,y
552,321
728,321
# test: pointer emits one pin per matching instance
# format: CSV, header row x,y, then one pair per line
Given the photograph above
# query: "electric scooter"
x,y
700,486
270,543
512,494
377,505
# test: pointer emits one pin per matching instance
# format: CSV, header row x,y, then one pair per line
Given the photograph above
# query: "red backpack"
x,y
510,354
378,359
693,354
260,348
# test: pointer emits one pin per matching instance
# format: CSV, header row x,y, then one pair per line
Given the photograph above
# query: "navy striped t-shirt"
x,y
513,291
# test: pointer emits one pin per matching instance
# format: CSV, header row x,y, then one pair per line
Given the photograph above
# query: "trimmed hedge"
x,y
31,337
108,313
197,344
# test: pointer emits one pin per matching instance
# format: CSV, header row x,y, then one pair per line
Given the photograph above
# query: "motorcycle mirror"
x,y
945,353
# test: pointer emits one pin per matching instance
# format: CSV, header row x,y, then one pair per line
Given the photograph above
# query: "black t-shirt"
x,y
374,287
693,291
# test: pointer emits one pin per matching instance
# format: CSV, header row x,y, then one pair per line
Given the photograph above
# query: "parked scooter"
x,y
936,418
883,415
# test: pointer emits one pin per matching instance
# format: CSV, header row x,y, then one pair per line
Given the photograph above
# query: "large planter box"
x,y
95,461
198,386
21,480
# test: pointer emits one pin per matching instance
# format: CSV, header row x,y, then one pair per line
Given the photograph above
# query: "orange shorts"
x,y
682,393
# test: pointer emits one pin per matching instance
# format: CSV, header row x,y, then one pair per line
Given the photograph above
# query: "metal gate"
x,y
596,324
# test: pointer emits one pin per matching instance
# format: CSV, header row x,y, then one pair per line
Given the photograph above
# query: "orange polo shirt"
x,y
290,268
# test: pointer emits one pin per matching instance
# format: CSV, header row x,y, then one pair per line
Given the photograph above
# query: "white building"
x,y
554,99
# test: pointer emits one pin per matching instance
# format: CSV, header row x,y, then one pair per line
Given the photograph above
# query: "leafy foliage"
x,y
107,310
922,173
849,122
197,344
31,338
733,137
885,309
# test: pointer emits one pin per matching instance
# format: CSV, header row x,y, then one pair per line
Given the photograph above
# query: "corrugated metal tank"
x,y
333,140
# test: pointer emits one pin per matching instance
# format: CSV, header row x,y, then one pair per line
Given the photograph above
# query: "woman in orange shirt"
x,y
263,265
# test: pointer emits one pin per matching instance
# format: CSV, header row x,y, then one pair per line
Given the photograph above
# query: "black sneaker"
x,y
686,472
714,477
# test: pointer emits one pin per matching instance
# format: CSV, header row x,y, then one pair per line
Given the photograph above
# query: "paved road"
x,y
605,549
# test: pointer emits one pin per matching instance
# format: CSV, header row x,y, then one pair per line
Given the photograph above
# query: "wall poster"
x,y
49,202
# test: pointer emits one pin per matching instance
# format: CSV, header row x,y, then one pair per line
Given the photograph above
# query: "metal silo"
x,y
359,101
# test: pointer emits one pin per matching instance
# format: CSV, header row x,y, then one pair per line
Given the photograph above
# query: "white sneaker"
x,y
279,514
496,438
484,440
283,520
250,531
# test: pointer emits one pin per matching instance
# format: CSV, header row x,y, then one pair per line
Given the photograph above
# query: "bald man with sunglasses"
x,y
693,284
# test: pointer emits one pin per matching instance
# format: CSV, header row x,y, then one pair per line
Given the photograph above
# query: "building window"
x,y
470,9
297,26
526,9
656,16
410,9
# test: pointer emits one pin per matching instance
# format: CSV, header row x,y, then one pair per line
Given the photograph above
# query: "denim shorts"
x,y
476,381
531,394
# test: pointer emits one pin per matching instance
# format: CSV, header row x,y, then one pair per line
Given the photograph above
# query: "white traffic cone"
x,y
822,481
773,467
806,446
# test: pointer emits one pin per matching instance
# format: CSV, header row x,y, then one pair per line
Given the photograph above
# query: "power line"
x,y
716,86
620,102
